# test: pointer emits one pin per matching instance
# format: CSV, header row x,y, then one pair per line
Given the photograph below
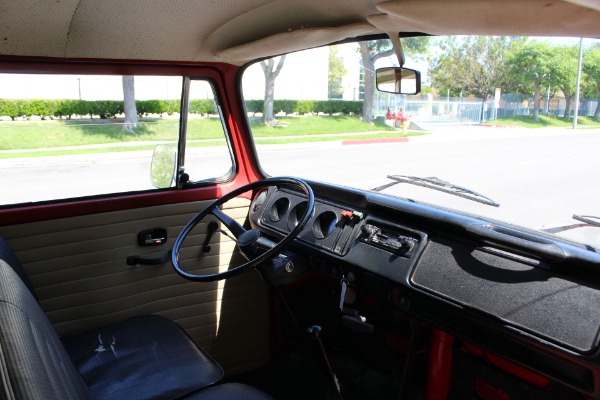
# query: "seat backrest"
x,y
33,362
11,259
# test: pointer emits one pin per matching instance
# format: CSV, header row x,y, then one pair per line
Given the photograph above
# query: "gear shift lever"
x,y
315,332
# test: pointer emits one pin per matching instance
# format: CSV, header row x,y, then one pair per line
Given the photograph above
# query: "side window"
x,y
67,136
207,154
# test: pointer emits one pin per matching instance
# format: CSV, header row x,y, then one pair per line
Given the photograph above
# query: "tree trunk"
x,y
268,118
369,82
369,57
131,118
536,101
568,98
271,72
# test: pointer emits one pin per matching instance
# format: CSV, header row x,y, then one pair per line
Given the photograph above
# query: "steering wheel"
x,y
256,248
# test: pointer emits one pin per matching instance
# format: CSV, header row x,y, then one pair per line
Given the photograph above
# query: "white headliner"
x,y
237,31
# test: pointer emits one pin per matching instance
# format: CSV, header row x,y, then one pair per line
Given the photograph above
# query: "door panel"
x,y
78,268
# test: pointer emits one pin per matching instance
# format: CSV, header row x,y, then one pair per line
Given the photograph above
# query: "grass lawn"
x,y
24,135
527,121
317,125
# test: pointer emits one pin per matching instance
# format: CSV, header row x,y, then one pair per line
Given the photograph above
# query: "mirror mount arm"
x,y
395,39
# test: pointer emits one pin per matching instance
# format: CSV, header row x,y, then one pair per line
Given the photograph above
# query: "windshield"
x,y
494,120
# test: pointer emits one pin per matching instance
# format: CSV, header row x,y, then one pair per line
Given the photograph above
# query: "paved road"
x,y
540,177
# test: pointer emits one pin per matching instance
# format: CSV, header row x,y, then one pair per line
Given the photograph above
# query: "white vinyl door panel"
x,y
78,268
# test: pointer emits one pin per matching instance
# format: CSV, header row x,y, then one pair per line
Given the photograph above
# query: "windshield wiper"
x,y
438,184
588,220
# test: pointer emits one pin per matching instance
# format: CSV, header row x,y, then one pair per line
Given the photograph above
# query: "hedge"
x,y
15,108
307,106
103,108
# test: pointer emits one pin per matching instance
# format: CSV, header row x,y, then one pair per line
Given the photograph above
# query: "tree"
x,y
373,50
475,65
271,72
335,74
591,69
129,108
529,70
564,73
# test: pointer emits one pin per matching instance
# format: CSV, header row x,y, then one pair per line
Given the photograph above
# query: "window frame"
x,y
182,141
207,73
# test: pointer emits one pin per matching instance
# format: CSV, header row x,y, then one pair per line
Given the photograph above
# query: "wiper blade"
x,y
591,220
438,184
588,220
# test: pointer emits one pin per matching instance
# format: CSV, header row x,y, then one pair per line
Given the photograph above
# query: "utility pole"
x,y
578,82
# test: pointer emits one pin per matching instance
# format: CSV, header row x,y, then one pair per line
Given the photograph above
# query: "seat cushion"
x,y
229,391
147,357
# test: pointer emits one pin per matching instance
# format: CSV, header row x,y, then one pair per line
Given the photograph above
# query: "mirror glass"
x,y
164,161
398,80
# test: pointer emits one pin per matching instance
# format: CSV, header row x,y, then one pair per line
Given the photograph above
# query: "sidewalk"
x,y
455,133
442,133
152,143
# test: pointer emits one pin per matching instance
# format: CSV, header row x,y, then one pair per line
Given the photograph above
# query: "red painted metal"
x,y
238,124
439,375
510,367
485,391
77,207
83,66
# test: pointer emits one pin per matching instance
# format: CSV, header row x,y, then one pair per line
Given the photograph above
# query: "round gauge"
x,y
324,224
259,200
279,209
296,214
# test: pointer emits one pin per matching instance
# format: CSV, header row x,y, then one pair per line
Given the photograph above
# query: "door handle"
x,y
137,260
152,237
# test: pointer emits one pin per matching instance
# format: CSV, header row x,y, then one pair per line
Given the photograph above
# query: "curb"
x,y
498,126
372,141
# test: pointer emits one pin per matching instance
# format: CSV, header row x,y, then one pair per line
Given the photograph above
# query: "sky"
x,y
16,86
91,87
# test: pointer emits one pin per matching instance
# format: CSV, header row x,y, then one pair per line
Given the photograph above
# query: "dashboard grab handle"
x,y
521,242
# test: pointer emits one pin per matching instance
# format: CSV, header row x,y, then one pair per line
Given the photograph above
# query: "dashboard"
x,y
521,294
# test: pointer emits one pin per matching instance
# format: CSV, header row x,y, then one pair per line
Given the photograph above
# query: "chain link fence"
x,y
430,110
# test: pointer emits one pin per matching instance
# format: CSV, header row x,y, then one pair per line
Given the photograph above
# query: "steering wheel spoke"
x,y
231,224
255,247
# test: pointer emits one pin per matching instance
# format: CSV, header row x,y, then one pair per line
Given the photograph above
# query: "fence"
x,y
426,109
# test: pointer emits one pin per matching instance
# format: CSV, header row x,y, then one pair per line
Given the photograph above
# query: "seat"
x,y
34,363
148,357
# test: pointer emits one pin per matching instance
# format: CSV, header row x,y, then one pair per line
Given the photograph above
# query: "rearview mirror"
x,y
398,80
164,161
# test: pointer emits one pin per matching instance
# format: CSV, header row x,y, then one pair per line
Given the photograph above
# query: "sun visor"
x,y
578,18
292,41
